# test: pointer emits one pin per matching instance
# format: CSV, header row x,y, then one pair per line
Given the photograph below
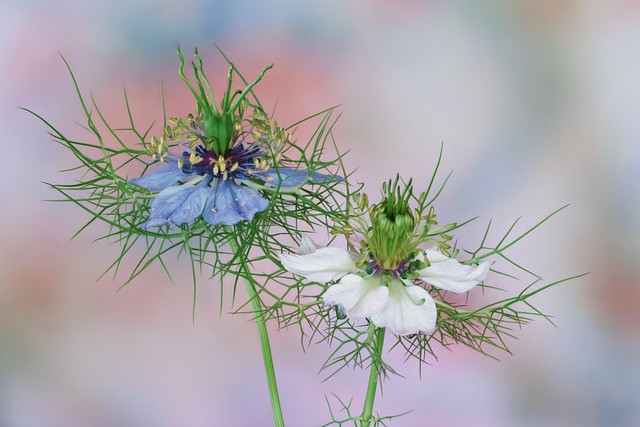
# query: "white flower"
x,y
397,304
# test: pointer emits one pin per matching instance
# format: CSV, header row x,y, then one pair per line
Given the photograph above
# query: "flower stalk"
x,y
265,344
375,371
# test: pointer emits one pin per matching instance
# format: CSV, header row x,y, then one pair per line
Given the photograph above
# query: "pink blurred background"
x,y
537,104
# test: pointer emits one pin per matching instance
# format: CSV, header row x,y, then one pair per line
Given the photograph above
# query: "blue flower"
x,y
201,183
220,173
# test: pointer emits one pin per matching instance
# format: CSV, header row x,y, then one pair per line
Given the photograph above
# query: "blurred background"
x,y
537,105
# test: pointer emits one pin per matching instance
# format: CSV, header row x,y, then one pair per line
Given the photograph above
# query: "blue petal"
x,y
160,179
178,204
233,203
292,177
320,177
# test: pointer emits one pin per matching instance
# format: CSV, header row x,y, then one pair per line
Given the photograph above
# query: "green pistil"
x,y
390,238
219,123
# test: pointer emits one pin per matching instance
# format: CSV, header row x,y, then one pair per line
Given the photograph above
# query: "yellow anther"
x,y
215,169
256,163
234,167
180,163
263,165
194,158
223,163
269,178
249,172
224,176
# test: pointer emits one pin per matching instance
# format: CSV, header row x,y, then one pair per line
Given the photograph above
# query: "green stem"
x,y
264,340
374,375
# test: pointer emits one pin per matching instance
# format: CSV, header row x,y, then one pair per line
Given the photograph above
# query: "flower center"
x,y
237,161
381,271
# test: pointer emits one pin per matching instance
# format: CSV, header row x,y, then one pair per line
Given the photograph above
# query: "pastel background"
x,y
537,104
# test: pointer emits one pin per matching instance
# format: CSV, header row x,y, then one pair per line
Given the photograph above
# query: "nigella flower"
x,y
391,302
215,187
219,172
386,283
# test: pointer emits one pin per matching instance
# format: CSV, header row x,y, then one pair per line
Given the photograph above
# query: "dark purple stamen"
x,y
395,273
238,154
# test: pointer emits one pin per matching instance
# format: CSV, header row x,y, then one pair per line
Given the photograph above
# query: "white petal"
x,y
323,265
408,310
307,246
448,274
360,298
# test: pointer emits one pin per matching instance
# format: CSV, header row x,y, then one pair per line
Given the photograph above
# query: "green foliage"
x,y
344,416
